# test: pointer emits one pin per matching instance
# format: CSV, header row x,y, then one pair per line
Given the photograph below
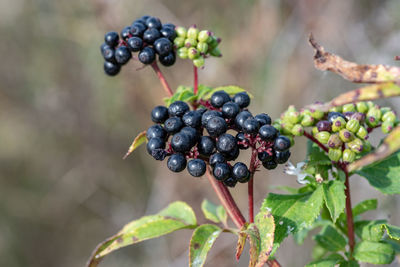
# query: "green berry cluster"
x,y
196,45
343,129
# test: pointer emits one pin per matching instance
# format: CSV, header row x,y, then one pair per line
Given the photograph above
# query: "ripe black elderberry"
x,y
155,144
216,158
196,167
126,33
263,119
251,126
135,44
282,157
180,142
163,46
282,143
270,165
208,115
230,110
268,132
111,38
219,98
167,60
206,146
137,29
151,35
153,22
216,126
176,162
178,109
221,171
159,114
240,172
230,182
122,55
111,69
156,131
241,118
226,143
242,99
173,125
192,119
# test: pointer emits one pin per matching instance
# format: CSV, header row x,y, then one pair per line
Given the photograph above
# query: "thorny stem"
x,y
196,80
349,214
162,79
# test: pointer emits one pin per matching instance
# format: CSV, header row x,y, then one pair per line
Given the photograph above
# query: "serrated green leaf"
x,y
203,90
179,94
202,240
301,235
351,263
293,212
392,231
210,211
177,215
330,239
139,139
335,198
366,205
266,227
318,252
222,215
323,263
369,230
384,175
290,190
394,243
241,241
374,252
230,90
316,156
255,243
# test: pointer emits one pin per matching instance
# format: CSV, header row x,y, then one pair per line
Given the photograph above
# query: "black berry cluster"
x,y
190,138
147,36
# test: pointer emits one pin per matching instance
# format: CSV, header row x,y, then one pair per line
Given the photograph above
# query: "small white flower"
x,y
297,171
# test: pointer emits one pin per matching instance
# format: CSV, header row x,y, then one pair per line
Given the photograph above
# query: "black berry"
x,y
192,119
137,29
156,131
122,55
167,60
208,115
265,156
242,99
234,154
241,117
135,43
196,167
324,126
333,115
108,53
251,126
226,143
150,35
270,165
162,46
221,171
154,144
180,142
216,126
268,132
216,158
230,182
193,134
147,55
153,22
230,110
159,114
178,108
282,143
168,32
244,142
176,162
240,172
173,125
111,38
206,146
111,69
263,119
125,33
282,157
169,26
219,98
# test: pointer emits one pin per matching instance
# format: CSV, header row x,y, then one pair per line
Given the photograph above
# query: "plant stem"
x,y
250,187
227,201
196,80
162,78
273,263
312,138
349,214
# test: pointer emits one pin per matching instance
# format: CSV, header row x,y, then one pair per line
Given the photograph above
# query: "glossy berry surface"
x,y
147,55
178,109
226,143
230,182
282,143
173,125
282,157
168,32
176,162
196,167
243,142
159,114
151,35
208,115
206,146
111,69
240,172
216,126
153,22
268,132
122,55
111,38
163,46
167,60
135,44
192,119
137,29
241,118
126,33
219,98
251,126
242,99
263,119
270,165
180,142
156,131
216,158
230,110
221,171
154,144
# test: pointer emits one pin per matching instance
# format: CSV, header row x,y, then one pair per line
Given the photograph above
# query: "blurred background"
x,y
65,125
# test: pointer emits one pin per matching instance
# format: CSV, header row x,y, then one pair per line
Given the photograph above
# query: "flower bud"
x,y
387,127
181,32
216,52
304,112
335,154
287,127
323,137
346,135
389,116
192,32
353,125
307,120
297,130
370,104
348,108
179,42
334,141
373,117
324,126
182,52
356,145
348,156
212,42
202,47
190,42
366,146
338,124
314,130
198,62
291,115
203,36
362,133
362,107
336,109
193,53
317,114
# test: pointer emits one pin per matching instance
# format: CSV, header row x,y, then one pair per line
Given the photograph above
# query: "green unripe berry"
x,y
287,127
304,112
353,125
323,137
202,47
183,52
317,114
314,130
356,145
291,115
385,109
212,42
307,120
348,108
192,32
203,36
277,125
190,42
367,146
336,109
346,136
370,104
216,52
181,32
387,127
362,107
335,154
179,42
198,62
193,53
373,117
297,130
362,132
338,124
348,156
334,141
389,116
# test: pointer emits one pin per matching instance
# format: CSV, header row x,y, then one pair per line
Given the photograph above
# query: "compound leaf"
x,y
202,240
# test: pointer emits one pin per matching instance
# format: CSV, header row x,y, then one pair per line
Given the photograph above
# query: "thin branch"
x,y
349,214
312,138
196,80
250,188
162,78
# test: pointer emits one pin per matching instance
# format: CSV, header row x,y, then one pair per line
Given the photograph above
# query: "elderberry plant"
x,y
204,129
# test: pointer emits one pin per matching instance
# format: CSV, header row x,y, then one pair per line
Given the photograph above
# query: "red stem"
x,y
349,214
250,187
196,80
162,78
312,138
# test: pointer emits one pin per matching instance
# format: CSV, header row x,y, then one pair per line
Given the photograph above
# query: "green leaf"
x,y
370,230
366,205
203,90
288,189
384,175
139,139
266,227
230,89
351,263
335,198
293,212
255,243
210,211
202,240
374,252
316,156
222,215
330,239
392,231
323,263
177,215
241,241
183,93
